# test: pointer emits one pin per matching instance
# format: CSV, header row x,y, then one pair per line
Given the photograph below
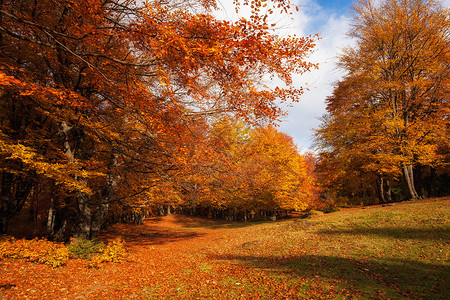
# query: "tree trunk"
x,y
98,219
388,191
5,197
380,189
60,234
107,194
83,226
3,225
14,193
409,182
51,218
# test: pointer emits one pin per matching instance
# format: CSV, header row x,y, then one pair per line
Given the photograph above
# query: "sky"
x,y
330,19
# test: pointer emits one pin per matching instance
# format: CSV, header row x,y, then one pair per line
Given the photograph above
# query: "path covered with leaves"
x,y
398,252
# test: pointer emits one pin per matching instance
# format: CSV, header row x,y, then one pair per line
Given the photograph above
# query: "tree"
x,y
390,113
281,172
260,170
104,99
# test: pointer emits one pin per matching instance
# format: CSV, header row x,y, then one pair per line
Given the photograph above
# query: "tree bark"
x,y
380,189
408,178
5,198
14,193
51,218
107,194
83,226
98,219
388,191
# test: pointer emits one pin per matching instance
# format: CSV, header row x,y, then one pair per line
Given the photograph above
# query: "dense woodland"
x,y
114,110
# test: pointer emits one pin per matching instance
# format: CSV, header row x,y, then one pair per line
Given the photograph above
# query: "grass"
x,y
396,252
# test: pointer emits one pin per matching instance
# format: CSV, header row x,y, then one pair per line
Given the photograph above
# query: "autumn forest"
x,y
118,115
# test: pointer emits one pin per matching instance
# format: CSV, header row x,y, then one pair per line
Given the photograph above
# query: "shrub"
x,y
41,251
56,254
112,252
58,257
330,209
84,248
313,213
6,247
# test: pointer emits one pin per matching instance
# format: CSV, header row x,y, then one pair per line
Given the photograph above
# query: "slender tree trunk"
x,y
388,191
51,218
409,182
380,189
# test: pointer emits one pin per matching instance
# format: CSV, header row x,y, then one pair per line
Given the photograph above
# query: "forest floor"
x,y
393,252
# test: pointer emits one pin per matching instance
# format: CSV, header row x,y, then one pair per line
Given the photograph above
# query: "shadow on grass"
x,y
396,232
158,231
142,235
198,222
394,278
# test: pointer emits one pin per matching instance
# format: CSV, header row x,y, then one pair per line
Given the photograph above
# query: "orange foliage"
x,y
109,102
390,113
260,169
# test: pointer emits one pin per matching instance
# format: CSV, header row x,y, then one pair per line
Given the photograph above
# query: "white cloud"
x,y
304,116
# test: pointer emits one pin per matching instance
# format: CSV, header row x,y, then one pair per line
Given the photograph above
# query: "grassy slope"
x,y
396,252
399,251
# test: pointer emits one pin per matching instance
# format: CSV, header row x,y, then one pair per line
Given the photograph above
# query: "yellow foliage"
x,y
63,173
57,254
112,252
41,251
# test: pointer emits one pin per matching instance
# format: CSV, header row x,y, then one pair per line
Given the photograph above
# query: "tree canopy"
x,y
388,117
107,104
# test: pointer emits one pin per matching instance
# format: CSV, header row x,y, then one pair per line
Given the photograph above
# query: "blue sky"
x,y
331,20
340,5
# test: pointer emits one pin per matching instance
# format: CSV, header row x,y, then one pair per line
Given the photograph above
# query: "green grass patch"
x,y
84,248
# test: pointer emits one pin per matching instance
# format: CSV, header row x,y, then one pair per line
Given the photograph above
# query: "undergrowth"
x,y
57,254
84,248
36,250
